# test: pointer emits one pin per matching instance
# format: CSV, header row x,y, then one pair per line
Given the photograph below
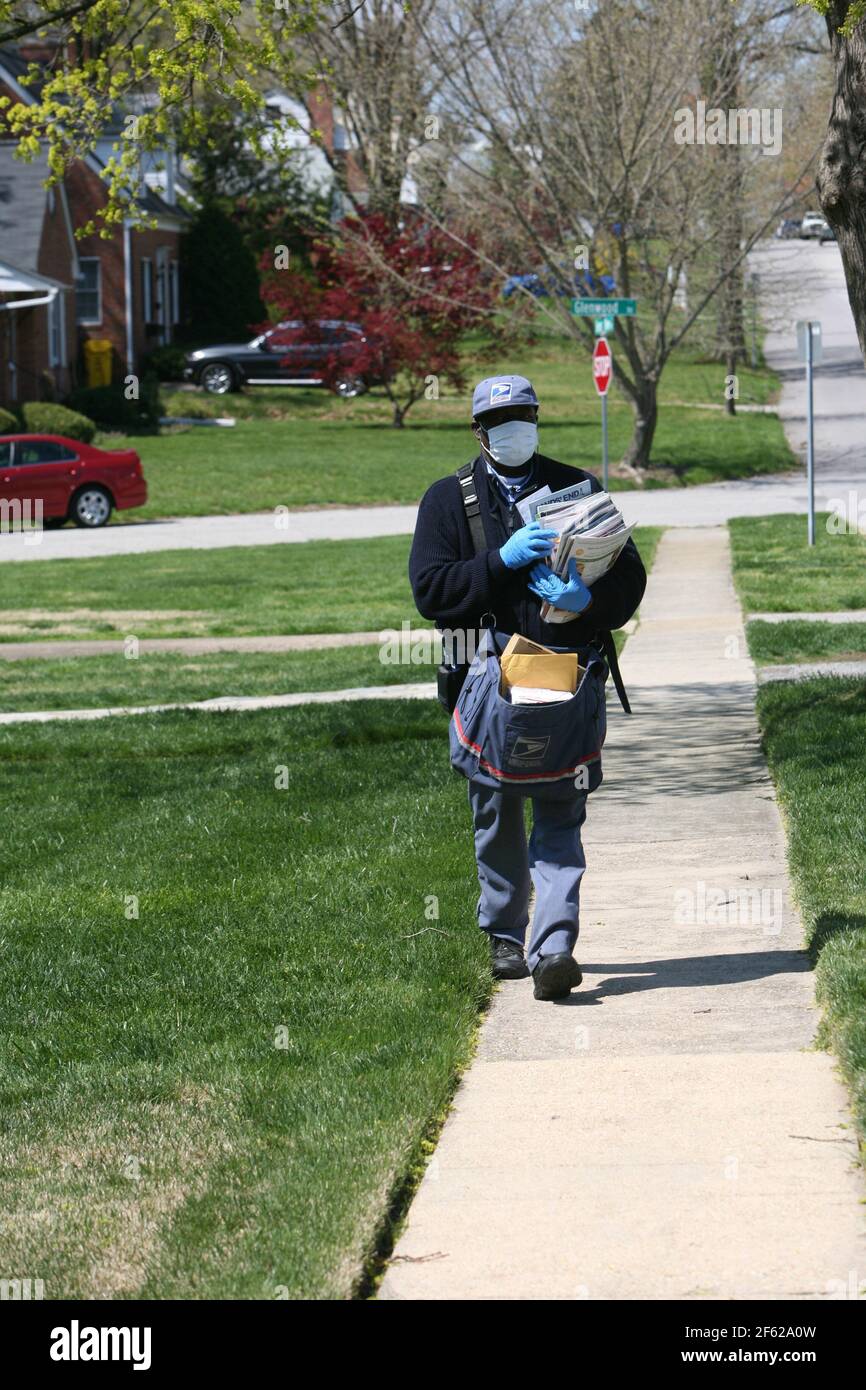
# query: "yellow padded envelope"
x,y
528,663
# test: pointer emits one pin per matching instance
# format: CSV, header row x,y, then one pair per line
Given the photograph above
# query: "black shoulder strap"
x,y
472,505
609,646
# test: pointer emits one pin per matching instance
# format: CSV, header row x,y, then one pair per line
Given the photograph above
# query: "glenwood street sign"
x,y
592,308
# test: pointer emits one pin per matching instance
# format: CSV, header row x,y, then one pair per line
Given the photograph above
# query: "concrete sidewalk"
x,y
668,1132
200,646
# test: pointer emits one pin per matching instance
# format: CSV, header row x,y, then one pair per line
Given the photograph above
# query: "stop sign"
x,y
602,366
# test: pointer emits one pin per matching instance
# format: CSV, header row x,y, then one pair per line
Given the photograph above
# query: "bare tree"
x,y
576,154
371,63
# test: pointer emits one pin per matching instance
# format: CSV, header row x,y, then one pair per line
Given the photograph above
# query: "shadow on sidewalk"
x,y
689,972
690,740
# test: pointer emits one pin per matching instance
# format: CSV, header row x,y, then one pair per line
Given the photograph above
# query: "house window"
x,y
88,291
57,331
174,285
147,290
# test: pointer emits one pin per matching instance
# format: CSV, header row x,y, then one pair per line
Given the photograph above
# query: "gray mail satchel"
x,y
545,750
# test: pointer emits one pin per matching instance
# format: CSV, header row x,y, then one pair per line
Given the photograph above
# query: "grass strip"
x,y
775,571
788,643
813,738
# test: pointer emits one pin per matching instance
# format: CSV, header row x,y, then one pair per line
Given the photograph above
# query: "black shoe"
x,y
507,959
556,976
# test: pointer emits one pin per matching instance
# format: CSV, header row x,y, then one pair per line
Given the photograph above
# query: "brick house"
x,y
38,270
124,289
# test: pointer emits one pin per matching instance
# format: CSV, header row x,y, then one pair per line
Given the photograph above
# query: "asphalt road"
x,y
798,280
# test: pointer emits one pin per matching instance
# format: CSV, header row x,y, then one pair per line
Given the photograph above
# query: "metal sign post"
x,y
605,312
809,344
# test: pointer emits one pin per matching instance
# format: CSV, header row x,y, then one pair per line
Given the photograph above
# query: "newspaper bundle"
x,y
591,530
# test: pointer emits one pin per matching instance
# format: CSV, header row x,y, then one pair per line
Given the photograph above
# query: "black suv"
x,y
289,354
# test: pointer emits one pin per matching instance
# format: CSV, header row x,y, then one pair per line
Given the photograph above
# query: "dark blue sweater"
x,y
454,587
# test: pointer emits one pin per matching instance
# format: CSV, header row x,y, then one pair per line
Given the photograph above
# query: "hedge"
x,y
45,417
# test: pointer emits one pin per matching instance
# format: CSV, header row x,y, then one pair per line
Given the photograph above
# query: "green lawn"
x,y
775,643
813,734
307,448
315,586
814,738
88,682
775,571
218,1097
84,682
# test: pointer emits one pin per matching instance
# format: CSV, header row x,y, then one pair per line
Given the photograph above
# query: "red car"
x,y
73,481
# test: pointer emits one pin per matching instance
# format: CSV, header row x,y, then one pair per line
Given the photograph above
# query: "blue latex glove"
x,y
530,543
573,595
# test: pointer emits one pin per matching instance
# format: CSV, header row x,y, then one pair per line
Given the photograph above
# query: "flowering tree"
x,y
411,289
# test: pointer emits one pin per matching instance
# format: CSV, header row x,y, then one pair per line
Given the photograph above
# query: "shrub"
x,y
45,417
110,407
166,363
9,423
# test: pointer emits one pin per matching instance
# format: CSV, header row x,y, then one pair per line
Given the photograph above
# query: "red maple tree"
x,y
413,290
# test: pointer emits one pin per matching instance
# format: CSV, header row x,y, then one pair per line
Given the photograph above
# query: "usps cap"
x,y
496,391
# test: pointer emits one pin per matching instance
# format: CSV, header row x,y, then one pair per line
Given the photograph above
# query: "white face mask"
x,y
512,443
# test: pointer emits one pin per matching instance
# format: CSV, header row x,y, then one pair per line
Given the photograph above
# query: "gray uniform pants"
x,y
553,861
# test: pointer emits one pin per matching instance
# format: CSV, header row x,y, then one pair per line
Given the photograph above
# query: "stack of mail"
x,y
536,695
534,675
591,530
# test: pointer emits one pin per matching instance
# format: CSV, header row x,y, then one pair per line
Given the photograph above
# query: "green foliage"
x,y
44,417
220,278
166,363
152,63
270,195
110,408
853,14
9,423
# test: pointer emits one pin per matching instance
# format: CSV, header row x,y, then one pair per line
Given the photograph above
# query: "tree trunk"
x,y
730,371
723,83
646,413
841,180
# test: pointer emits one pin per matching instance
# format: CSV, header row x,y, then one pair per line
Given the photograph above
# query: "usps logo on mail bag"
x,y
500,392
529,750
